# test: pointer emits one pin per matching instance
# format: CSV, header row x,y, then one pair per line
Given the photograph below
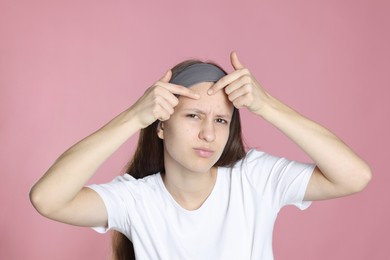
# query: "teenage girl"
x,y
191,190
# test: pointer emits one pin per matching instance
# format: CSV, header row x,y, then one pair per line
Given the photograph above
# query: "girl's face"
x,y
196,133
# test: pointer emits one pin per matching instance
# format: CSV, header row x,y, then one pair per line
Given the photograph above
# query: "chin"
x,y
202,166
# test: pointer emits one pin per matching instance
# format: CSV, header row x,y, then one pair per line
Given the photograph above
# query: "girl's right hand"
x,y
159,101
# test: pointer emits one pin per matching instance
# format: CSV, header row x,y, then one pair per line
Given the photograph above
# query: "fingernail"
x,y
210,91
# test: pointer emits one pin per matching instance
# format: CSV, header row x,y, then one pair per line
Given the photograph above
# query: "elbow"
x,y
362,179
35,199
39,203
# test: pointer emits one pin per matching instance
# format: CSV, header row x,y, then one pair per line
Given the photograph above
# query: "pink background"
x,y
67,67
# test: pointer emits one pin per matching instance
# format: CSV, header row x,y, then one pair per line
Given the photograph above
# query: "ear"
x,y
160,130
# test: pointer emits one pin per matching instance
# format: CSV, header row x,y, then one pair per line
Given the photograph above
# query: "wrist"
x,y
273,108
265,106
128,121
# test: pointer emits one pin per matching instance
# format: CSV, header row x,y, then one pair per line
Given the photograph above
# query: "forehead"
x,y
216,103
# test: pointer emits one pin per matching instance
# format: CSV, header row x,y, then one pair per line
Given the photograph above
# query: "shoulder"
x,y
148,182
126,178
256,158
261,167
253,168
255,155
127,184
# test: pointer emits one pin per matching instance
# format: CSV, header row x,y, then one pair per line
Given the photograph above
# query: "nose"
x,y
207,131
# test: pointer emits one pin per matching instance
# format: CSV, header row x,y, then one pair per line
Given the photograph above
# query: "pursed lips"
x,y
204,152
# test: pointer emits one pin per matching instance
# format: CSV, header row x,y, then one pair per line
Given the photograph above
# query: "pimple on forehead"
x,y
217,103
202,88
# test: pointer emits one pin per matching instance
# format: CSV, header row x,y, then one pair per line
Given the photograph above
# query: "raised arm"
x,y
339,171
60,193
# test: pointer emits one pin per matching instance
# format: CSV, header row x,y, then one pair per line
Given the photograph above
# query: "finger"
x,y
167,76
165,107
224,81
182,91
162,96
243,101
162,114
170,98
235,61
240,82
242,91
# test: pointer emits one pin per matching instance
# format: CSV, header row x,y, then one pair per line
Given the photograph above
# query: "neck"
x,y
190,189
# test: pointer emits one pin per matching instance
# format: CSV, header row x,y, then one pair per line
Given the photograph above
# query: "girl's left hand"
x,y
242,88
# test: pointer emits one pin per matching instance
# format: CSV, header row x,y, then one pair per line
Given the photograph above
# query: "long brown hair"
x,y
148,159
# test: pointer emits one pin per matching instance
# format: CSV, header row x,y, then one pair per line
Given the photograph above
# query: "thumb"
x,y
235,62
167,76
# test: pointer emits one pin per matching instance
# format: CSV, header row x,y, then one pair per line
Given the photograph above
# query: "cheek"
x,y
223,135
226,138
175,134
180,130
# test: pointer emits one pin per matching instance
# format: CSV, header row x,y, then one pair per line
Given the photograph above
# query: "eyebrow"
x,y
198,111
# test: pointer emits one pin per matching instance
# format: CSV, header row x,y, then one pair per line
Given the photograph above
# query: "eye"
x,y
221,121
193,116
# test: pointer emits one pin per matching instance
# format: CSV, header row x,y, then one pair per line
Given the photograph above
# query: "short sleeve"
x,y
278,180
119,197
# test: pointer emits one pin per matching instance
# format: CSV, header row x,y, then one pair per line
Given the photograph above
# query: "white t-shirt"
x,y
235,222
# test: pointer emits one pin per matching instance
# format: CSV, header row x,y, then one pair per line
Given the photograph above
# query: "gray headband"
x,y
196,73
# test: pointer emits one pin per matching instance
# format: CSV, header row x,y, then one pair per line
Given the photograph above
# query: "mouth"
x,y
204,152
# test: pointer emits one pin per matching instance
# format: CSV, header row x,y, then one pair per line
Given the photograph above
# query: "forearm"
x,y
337,162
70,172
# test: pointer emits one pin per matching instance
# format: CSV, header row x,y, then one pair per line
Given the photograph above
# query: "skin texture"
x,y
60,193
